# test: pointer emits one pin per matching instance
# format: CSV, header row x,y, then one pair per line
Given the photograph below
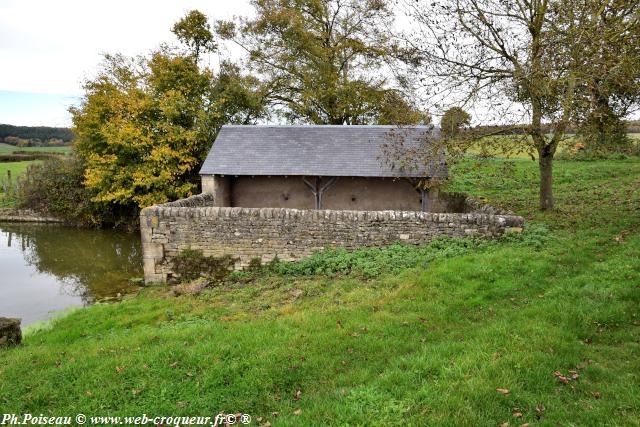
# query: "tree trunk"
x,y
546,180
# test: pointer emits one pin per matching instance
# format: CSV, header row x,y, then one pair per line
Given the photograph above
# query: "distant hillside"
x,y
35,136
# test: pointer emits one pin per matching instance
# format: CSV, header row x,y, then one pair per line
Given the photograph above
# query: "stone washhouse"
x,y
288,191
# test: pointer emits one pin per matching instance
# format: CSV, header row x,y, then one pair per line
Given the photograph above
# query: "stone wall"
x,y
25,215
290,233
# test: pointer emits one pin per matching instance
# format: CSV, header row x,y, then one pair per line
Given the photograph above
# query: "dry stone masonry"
x,y
291,234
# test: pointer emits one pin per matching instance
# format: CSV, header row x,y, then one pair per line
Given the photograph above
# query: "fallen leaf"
x,y
119,369
505,424
297,395
596,394
539,410
88,393
275,414
517,415
339,324
561,378
350,350
503,391
173,365
181,404
297,412
267,424
524,425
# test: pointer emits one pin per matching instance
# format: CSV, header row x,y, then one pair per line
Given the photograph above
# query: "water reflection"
x,y
49,267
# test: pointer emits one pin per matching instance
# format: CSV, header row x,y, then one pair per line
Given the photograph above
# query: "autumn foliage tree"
x,y
145,125
194,31
325,61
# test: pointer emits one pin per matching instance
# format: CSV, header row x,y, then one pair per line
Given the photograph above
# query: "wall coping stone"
x,y
165,211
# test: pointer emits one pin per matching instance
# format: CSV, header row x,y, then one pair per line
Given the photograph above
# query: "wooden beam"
x,y
424,198
317,189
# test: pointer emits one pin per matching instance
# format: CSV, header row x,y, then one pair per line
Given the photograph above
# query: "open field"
x,y
492,145
16,169
472,337
8,149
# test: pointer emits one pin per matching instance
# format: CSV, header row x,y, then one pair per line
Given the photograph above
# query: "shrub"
x,y
254,265
191,264
56,187
583,150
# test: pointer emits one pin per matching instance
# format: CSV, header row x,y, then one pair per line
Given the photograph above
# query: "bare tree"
x,y
525,56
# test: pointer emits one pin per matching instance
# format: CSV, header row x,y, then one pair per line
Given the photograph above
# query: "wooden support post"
x,y
317,189
424,198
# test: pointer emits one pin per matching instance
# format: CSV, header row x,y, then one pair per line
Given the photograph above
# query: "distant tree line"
x,y
35,136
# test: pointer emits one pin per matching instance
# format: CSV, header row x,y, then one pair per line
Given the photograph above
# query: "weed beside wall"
x,y
371,262
191,264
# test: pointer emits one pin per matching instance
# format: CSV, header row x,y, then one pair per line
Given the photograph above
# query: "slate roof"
x,y
319,150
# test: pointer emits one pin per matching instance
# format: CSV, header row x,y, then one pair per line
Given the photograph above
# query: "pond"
x,y
47,268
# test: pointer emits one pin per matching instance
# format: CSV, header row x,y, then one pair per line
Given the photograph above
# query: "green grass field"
x,y
493,146
8,149
472,338
16,169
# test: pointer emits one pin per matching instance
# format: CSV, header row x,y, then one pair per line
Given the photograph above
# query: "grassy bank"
x,y
471,337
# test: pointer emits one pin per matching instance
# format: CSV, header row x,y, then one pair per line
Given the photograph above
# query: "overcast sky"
x,y
47,48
